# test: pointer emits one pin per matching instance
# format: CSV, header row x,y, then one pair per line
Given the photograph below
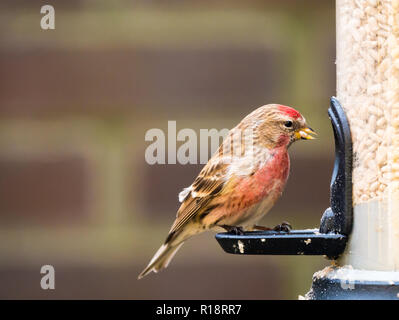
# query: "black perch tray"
x,y
296,242
336,222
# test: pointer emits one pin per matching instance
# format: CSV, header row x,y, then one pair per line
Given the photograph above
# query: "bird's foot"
x,y
238,231
284,227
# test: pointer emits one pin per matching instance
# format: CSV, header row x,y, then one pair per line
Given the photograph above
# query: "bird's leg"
x,y
235,230
284,226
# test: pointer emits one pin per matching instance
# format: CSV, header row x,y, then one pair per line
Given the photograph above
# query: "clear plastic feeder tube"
x,y
368,89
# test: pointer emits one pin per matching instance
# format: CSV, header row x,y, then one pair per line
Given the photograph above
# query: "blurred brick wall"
x,y
36,189
117,81
76,102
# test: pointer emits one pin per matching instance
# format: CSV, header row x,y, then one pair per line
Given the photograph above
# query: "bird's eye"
x,y
288,124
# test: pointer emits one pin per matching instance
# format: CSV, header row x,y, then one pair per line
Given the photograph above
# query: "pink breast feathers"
x,y
268,180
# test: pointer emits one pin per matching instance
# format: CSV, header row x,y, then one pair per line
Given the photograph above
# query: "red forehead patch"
x,y
290,111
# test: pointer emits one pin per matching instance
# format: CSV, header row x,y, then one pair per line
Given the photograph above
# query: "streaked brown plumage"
x,y
241,182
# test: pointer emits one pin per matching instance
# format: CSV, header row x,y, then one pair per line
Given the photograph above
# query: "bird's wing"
x,y
211,181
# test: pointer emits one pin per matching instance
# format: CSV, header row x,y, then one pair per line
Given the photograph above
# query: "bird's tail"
x,y
161,258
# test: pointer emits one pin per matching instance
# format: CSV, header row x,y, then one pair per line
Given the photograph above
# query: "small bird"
x,y
240,183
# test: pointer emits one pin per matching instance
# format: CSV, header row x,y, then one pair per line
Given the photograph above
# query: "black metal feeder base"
x,y
341,283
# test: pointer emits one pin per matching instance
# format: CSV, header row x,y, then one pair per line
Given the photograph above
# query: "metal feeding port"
x,y
336,223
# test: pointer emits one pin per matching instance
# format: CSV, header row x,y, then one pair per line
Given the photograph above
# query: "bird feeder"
x,y
361,228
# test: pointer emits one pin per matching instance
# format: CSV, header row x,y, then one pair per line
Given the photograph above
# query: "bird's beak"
x,y
305,133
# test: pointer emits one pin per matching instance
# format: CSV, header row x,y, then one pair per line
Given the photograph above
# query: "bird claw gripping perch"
x,y
336,223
